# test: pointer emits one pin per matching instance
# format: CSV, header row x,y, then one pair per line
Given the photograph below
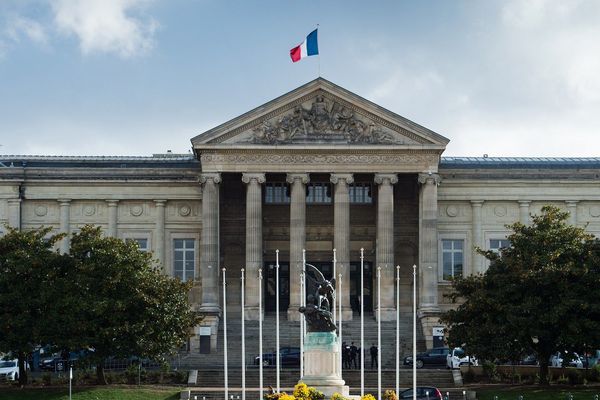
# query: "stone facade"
x,y
317,169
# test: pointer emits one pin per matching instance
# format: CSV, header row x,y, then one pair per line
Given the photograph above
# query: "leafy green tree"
x,y
126,306
538,296
29,268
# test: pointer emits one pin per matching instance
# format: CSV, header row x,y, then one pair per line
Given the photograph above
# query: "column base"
x,y
253,314
429,318
210,308
292,313
387,314
210,321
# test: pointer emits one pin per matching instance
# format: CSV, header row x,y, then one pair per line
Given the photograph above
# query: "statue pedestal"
x,y
322,369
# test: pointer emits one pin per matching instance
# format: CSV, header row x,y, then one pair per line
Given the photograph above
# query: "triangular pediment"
x,y
320,113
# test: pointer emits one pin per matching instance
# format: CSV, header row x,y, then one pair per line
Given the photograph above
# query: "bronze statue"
x,y
318,316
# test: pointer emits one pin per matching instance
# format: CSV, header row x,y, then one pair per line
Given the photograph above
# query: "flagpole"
x,y
319,66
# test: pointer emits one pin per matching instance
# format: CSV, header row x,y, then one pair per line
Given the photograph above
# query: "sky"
x,y
137,77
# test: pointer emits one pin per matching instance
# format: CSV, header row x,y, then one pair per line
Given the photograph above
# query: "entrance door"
x,y
271,290
355,286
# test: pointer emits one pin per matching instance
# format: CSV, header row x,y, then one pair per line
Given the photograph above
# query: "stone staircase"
x,y
290,336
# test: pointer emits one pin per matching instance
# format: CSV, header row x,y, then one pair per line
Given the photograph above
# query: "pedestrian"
x,y
353,354
344,355
373,350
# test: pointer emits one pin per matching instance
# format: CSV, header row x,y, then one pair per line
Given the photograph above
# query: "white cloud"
x,y
106,26
19,26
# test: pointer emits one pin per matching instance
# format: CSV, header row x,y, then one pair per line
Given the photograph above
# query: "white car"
x,y
9,370
556,360
458,357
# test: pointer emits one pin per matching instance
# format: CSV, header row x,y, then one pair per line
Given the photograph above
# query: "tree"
x,y
126,306
538,296
28,271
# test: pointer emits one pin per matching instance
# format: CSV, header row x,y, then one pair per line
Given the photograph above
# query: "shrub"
x,y
390,395
337,396
491,371
285,396
367,396
314,394
47,378
273,396
574,377
301,391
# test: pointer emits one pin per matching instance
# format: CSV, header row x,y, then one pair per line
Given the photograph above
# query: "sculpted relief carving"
x,y
286,159
325,120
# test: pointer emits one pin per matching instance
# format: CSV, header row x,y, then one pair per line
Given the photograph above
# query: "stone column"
x,y
385,244
209,248
113,208
14,213
254,242
477,261
341,239
524,211
159,233
65,224
297,238
428,255
572,209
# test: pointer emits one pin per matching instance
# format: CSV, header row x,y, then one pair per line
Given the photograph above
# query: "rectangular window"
x,y
276,193
141,242
360,193
184,259
319,193
452,258
497,244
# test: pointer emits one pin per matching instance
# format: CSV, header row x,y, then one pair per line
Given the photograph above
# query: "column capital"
x,y
13,200
112,202
247,177
304,178
571,203
524,203
64,202
386,178
160,202
429,178
335,178
477,203
214,176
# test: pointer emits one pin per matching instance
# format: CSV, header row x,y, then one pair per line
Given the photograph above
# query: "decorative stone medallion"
x,y
500,211
40,211
185,210
89,210
452,211
595,211
136,210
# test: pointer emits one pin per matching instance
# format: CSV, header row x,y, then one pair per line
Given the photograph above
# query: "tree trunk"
x,y
100,376
22,369
544,371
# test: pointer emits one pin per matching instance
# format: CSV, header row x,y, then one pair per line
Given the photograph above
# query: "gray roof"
x,y
155,161
520,163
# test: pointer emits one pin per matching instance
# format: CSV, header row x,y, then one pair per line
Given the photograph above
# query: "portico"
x,y
316,169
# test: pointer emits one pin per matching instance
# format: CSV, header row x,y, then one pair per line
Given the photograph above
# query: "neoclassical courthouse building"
x,y
319,168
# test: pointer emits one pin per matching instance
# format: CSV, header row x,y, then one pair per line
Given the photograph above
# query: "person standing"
x,y
353,355
373,350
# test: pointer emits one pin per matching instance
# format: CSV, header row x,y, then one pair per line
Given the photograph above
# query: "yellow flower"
x,y
367,396
285,396
301,391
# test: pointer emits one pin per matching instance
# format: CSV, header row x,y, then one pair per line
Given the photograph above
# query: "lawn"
x,y
529,393
91,393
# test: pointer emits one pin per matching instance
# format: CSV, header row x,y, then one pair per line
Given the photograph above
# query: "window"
x,y
184,258
360,193
319,193
141,242
452,258
277,193
497,244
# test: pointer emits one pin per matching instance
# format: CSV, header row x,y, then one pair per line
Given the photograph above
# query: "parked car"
x,y
423,393
9,370
458,357
435,356
529,360
574,360
289,356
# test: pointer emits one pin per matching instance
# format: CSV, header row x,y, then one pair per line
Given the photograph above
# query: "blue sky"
x,y
136,77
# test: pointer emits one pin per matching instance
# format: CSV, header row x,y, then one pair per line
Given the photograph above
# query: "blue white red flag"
x,y
309,47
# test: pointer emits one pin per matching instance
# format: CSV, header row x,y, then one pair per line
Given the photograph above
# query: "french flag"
x,y
308,48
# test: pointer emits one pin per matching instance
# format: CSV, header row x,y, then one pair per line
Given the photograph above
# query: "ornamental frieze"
x,y
318,159
325,120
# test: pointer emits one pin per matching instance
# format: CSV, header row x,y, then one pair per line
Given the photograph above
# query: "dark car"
x,y
289,356
423,392
435,356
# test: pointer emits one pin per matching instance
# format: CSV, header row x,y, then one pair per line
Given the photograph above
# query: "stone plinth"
x,y
322,369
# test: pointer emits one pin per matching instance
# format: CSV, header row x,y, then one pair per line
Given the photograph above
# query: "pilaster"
x,y
572,209
159,233
113,207
14,213
385,243
297,238
65,224
254,242
524,216
341,217
477,261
